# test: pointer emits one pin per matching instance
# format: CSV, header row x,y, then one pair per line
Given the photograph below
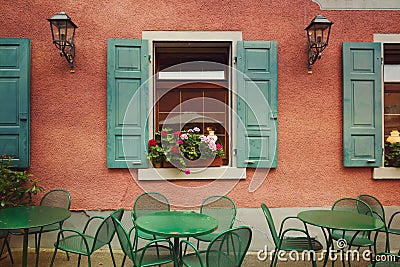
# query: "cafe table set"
x,y
331,220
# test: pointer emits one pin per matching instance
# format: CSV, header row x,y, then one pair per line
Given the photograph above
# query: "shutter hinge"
x,y
149,58
381,60
235,60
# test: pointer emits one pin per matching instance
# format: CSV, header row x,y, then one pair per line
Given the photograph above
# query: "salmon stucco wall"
x,y
68,111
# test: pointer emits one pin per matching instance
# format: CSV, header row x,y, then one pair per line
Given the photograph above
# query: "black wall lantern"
x,y
63,32
318,36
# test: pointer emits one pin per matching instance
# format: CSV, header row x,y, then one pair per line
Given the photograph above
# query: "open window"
x,y
192,88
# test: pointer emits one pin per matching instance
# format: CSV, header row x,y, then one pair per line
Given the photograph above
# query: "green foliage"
x,y
392,154
155,152
16,187
179,147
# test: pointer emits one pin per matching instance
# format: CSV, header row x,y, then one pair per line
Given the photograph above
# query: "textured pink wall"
x,y
68,112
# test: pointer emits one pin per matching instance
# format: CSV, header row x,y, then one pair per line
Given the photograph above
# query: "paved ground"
x,y
102,258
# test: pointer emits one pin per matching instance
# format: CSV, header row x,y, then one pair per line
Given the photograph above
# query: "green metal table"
x,y
27,217
176,224
339,220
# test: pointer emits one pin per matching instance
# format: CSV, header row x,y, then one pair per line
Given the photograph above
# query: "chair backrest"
x,y
352,205
229,248
149,202
221,208
124,238
106,230
56,197
375,205
271,224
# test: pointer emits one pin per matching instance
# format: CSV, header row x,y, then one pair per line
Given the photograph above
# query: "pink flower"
x,y
164,133
219,146
190,131
187,171
196,129
184,136
180,142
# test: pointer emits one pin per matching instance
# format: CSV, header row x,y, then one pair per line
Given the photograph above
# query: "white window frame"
x,y
358,4
386,172
224,172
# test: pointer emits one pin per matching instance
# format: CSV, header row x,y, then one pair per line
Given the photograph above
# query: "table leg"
x,y
25,249
176,251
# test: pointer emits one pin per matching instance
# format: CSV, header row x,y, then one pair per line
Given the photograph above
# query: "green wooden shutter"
x,y
362,105
14,99
127,100
257,104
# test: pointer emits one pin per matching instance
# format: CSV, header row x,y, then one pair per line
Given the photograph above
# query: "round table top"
x,y
341,220
25,217
176,223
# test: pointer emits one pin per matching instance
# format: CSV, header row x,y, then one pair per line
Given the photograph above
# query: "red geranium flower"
x,y
164,133
152,143
219,146
177,134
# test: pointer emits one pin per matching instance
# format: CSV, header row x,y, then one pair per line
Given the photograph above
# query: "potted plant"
x,y
156,153
16,187
183,149
392,154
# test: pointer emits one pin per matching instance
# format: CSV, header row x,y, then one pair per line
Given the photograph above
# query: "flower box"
x,y
216,162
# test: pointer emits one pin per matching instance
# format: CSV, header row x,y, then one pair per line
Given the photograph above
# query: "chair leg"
x,y
273,259
54,256
123,261
9,251
88,259
79,260
112,255
7,245
66,252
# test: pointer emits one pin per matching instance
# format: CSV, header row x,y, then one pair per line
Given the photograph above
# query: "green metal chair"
x,y
353,238
227,249
223,209
147,203
287,243
377,209
82,243
4,234
155,252
58,198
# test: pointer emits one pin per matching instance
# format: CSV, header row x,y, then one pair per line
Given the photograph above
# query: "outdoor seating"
x,y
56,198
4,235
353,238
226,249
82,243
377,208
155,252
223,209
289,243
